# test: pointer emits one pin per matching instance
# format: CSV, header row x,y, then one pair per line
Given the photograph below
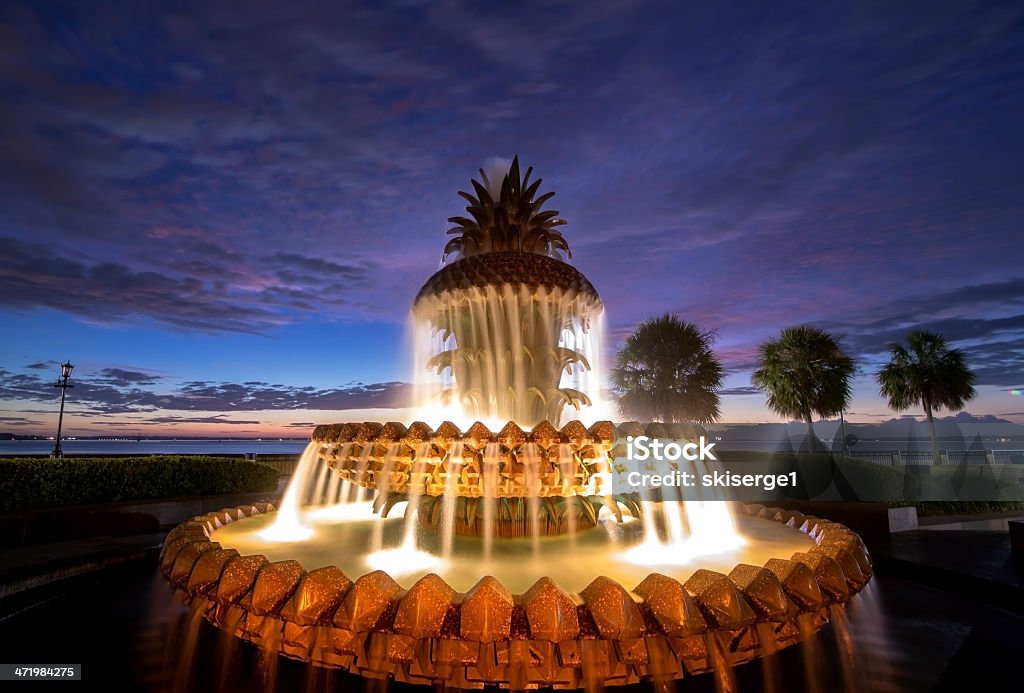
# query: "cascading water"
x,y
508,353
507,332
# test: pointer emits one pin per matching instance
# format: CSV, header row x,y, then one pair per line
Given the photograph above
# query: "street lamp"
x,y
63,384
842,424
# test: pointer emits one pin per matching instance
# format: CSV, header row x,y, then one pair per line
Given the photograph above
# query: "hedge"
x,y
39,483
828,477
931,508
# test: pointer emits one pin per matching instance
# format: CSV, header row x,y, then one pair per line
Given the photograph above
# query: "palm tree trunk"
x,y
811,439
936,459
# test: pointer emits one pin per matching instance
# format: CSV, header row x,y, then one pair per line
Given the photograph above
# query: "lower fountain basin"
x,y
676,621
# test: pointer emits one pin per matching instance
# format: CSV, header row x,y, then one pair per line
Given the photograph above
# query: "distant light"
x,y
1017,393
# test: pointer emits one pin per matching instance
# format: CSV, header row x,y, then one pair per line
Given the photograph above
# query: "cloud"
x,y
745,390
193,297
123,378
17,420
41,366
944,312
200,420
130,392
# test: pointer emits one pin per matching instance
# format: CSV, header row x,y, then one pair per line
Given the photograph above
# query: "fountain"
x,y
492,549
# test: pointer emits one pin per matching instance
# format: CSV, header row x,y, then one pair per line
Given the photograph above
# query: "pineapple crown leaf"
x,y
511,220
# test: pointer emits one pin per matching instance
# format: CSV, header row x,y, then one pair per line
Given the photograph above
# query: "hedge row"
x,y
929,508
38,483
826,477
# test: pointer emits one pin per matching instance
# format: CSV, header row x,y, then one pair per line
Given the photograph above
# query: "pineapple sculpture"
x,y
509,316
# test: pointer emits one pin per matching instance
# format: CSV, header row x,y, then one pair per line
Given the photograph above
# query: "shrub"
x,y
825,477
38,483
928,508
819,476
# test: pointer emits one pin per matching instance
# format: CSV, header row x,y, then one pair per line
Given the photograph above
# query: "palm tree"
x,y
927,372
804,372
666,371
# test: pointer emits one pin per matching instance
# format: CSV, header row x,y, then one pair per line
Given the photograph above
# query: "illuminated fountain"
x,y
493,549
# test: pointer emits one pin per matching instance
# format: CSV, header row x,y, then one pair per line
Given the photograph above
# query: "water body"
x,y
287,447
883,445
154,447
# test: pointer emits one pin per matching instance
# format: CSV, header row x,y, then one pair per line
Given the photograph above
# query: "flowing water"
x,y
679,531
517,563
503,353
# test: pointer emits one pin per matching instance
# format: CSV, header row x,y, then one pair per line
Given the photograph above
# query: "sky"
x,y
220,212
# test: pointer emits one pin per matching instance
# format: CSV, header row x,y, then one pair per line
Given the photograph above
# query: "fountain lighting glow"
x,y
340,512
288,526
572,562
712,531
287,529
403,561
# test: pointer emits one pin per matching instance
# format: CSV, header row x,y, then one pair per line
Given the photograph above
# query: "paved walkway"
x,y
978,564
28,567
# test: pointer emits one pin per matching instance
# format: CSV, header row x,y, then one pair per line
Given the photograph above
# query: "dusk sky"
x,y
220,212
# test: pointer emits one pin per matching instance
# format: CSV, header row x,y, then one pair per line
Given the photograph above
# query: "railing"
x,y
953,457
877,457
284,464
1008,456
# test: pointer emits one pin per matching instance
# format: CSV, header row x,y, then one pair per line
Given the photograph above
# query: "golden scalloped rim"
x,y
602,434
662,629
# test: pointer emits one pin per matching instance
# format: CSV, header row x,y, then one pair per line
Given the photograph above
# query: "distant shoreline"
x,y
131,439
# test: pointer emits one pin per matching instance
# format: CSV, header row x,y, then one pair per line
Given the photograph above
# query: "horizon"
x,y
978,424
225,234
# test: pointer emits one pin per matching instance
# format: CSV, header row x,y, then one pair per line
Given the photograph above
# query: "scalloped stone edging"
x,y
373,627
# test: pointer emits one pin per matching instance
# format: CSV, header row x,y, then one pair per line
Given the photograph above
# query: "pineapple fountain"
x,y
492,549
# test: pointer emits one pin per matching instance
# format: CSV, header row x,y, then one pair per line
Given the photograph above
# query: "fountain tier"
x,y
508,336
429,631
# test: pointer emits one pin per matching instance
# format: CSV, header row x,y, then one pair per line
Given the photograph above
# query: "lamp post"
x,y
842,424
63,384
